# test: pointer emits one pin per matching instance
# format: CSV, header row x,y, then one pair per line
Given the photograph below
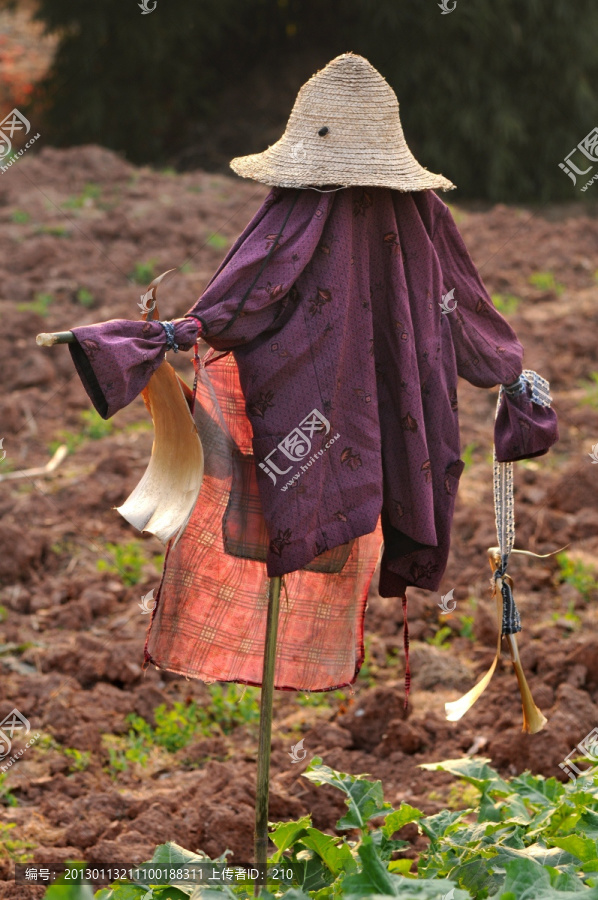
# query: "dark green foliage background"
x,y
493,95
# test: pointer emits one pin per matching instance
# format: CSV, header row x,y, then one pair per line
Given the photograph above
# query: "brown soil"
x,y
71,639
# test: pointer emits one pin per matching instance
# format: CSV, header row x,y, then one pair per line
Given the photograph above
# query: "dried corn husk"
x,y
533,719
164,499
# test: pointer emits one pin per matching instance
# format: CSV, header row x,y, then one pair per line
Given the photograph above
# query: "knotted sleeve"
x,y
252,293
523,429
116,359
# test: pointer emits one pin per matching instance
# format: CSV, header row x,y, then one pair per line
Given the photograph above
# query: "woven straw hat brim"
x,y
362,144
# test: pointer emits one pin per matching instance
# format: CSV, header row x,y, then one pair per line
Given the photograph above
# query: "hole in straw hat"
x,y
324,130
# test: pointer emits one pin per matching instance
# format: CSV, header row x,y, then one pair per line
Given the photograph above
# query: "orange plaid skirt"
x,y
209,620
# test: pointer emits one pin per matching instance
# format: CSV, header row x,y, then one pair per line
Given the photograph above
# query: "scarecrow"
x,y
326,405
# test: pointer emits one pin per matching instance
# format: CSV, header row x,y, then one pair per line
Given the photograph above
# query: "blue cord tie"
x,y
518,387
171,344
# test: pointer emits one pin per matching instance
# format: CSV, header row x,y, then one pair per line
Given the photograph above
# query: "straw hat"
x,y
344,130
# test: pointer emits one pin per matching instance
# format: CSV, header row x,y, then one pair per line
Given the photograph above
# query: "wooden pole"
x,y
265,735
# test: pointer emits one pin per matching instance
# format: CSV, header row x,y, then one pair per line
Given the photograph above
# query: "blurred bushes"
x,y
493,95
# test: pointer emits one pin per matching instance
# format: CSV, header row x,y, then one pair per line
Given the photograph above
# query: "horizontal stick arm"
x,y
48,339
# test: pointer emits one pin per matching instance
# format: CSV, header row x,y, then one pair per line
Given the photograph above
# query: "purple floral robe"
x,y
331,306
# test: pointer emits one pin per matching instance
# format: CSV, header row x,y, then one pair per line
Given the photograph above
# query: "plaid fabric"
x,y
244,528
210,616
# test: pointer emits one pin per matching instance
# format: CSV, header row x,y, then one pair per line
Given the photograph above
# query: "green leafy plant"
x,y
441,638
545,281
85,297
13,849
6,797
40,306
217,241
226,709
93,428
466,627
527,837
54,230
124,750
144,272
591,391
128,562
507,304
368,669
176,727
80,759
468,452
19,216
90,193
319,699
578,574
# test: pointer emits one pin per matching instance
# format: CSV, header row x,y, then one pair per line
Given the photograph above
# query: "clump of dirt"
x,y
84,231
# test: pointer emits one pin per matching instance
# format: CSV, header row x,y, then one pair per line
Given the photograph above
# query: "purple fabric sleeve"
x,y
252,292
116,359
486,347
523,429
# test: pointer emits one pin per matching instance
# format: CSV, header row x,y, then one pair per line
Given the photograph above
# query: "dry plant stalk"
x,y
533,718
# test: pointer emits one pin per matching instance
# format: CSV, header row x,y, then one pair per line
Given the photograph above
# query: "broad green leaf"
x,y
400,866
338,859
385,847
395,820
364,798
588,823
374,878
581,847
418,889
295,894
315,874
489,810
553,857
437,826
528,880
172,855
513,809
541,822
478,875
62,889
284,834
474,769
538,790
202,892
122,892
